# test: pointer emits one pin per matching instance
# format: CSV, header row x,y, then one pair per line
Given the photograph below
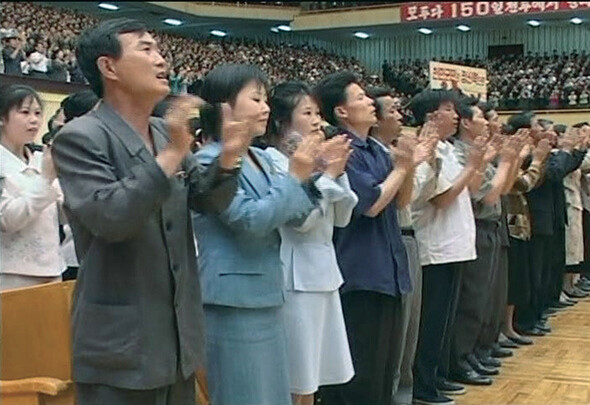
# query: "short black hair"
x,y
518,121
465,107
14,95
103,40
428,101
222,85
376,93
581,124
331,93
283,100
560,129
486,107
79,104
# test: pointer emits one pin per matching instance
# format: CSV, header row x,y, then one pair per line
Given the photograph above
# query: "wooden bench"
x,y
35,342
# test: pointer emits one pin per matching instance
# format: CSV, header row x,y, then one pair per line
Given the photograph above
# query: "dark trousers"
x,y
180,393
444,367
373,323
477,290
540,260
439,284
494,316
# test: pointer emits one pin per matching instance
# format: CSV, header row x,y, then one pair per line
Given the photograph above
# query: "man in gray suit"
x,y
129,182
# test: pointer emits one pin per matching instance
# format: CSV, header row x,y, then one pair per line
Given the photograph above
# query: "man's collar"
x,y
356,140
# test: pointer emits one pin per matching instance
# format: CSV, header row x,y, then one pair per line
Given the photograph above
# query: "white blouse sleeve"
x,y
17,211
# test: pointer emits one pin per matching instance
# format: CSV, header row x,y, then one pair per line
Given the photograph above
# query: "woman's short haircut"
x,y
222,85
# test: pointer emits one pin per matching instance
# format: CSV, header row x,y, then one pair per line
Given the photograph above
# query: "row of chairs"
x,y
35,345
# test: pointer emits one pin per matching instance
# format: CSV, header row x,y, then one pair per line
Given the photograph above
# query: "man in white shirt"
x,y
445,231
38,62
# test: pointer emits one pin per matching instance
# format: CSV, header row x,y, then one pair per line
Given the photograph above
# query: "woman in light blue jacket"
x,y
316,334
239,263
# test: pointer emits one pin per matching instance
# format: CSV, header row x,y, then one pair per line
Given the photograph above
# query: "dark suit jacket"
x,y
137,314
547,200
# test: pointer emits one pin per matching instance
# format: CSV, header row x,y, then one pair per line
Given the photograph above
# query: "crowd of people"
x,y
336,257
39,41
530,81
48,36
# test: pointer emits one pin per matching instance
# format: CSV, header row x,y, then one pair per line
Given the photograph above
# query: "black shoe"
x,y
501,352
489,361
480,368
543,327
471,378
550,312
521,340
508,344
450,388
575,294
532,332
433,400
558,305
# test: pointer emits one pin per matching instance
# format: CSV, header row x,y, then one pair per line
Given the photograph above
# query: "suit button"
x,y
168,225
175,267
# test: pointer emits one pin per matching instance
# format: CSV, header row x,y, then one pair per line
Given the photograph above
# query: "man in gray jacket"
x,y
129,182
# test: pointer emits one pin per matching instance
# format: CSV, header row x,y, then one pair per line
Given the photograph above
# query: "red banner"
x,y
445,10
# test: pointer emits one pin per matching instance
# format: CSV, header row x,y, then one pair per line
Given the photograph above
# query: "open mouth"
x,y
162,76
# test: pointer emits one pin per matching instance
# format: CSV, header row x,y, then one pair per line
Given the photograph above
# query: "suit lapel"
x,y
255,179
130,139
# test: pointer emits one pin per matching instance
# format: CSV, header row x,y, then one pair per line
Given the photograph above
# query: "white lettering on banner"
x,y
437,12
482,8
412,10
424,12
498,7
469,9
466,9
524,6
552,4
511,7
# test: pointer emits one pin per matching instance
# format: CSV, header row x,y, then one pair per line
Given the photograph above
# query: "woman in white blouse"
x,y
29,243
316,334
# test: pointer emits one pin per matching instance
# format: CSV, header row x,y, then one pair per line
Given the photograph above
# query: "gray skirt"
x,y
246,356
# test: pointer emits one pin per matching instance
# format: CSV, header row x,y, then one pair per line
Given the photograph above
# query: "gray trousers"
x,y
182,392
476,294
411,305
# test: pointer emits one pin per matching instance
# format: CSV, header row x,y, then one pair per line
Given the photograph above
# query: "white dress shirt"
x,y
28,218
39,62
445,235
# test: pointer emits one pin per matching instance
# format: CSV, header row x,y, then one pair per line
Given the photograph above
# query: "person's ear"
x,y
107,67
340,113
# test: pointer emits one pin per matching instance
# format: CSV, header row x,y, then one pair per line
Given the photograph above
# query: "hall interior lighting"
x,y
108,6
218,33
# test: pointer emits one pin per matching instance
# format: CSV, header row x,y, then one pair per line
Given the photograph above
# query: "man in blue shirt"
x,y
370,251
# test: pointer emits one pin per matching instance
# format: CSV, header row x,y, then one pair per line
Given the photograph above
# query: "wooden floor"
x,y
553,371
